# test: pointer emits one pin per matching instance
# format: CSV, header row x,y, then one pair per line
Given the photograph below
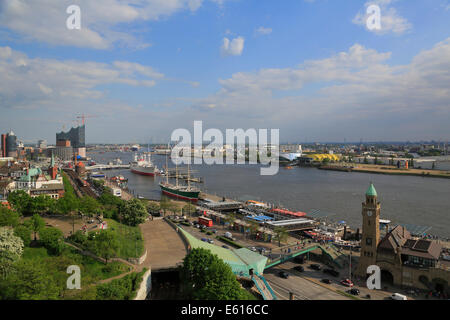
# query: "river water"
x,y
404,199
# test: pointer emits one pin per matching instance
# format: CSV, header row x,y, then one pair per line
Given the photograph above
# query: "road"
x,y
302,288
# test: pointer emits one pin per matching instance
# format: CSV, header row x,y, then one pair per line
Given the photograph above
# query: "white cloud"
x,y
264,31
45,20
355,92
391,21
233,47
33,81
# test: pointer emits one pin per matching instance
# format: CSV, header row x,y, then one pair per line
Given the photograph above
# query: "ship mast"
x,y
176,172
189,178
167,169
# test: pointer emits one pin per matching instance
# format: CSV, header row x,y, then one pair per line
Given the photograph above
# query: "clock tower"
x,y
370,231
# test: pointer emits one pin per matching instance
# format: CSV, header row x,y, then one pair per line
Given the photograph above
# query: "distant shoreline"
x,y
389,170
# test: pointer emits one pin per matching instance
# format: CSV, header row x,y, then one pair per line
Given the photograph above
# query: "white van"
x,y
398,296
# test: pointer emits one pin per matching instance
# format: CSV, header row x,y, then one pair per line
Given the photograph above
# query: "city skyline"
x,y
310,68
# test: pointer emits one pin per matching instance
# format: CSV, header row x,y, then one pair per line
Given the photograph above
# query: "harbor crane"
x,y
83,118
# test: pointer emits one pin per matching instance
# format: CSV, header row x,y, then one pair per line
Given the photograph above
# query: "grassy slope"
x,y
130,239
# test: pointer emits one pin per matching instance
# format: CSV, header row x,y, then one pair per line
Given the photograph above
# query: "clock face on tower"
x,y
369,213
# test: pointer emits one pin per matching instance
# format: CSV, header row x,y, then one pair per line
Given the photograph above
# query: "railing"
x,y
274,297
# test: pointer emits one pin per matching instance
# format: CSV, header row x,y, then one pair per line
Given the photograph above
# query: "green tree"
x,y
36,223
29,280
88,206
133,212
11,249
67,204
153,208
52,239
189,208
24,233
281,235
165,205
106,244
8,217
20,201
254,227
230,219
206,277
41,204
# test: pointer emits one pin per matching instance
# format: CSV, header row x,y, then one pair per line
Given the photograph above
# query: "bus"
x,y
207,222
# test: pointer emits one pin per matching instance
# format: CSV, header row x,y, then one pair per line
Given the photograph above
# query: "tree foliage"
x,y
24,233
206,277
281,235
29,280
36,223
106,244
11,249
189,209
8,217
52,239
133,212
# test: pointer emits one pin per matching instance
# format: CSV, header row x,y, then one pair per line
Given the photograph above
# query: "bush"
x,y
121,289
79,237
209,233
52,239
8,217
231,242
24,233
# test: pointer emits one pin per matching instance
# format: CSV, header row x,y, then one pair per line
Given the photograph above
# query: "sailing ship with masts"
x,y
177,190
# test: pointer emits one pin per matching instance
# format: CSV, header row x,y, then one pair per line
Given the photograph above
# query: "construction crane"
x,y
83,118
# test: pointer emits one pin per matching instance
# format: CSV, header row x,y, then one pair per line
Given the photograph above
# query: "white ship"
x,y
143,165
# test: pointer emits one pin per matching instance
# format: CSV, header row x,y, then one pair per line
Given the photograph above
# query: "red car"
x,y
347,283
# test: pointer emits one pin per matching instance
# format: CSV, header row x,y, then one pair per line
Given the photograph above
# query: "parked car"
x,y
354,291
315,267
204,240
283,274
327,281
398,296
210,241
226,247
299,268
347,283
253,249
332,272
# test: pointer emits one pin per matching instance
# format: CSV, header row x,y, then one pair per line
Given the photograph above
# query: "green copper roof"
x,y
371,191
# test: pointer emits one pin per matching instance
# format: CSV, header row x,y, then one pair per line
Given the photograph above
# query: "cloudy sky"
x,y
142,68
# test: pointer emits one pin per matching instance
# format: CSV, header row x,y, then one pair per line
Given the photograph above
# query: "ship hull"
x,y
191,196
143,171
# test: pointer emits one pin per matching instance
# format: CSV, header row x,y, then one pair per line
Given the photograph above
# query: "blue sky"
x,y
146,67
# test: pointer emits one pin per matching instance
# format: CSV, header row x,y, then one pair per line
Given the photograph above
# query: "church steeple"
x,y
52,163
53,169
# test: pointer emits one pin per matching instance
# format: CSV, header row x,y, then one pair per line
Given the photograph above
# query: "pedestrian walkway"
x,y
263,287
165,249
